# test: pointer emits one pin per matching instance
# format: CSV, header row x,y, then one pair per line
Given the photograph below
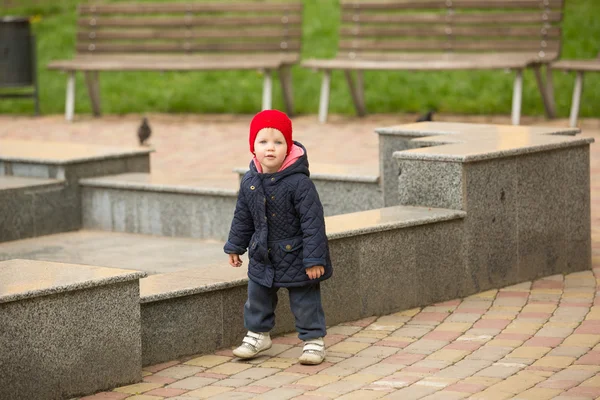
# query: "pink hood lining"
x,y
291,158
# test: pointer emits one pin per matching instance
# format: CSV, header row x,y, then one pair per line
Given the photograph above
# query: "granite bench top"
x,y
23,279
460,142
220,275
184,283
18,182
61,153
385,219
159,183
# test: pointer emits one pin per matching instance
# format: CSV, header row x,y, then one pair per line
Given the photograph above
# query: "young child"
x,y
279,218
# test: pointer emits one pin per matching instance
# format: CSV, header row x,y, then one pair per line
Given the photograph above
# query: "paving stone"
x,y
361,322
106,396
208,361
310,369
292,352
529,352
138,388
466,388
229,368
191,383
423,346
145,397
408,313
363,377
466,346
233,382
498,371
160,367
582,340
158,379
446,395
348,347
180,371
462,318
591,358
318,380
233,395
558,384
371,334
504,343
490,353
381,369
555,362
362,395
365,339
278,362
349,366
490,394
279,379
404,358
377,352
412,393
448,355
253,389
517,383
538,394
166,392
454,326
339,388
568,351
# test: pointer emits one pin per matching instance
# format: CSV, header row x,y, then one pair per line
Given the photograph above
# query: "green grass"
x,y
460,92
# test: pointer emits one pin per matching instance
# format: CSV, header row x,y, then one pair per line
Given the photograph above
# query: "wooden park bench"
x,y
579,67
435,35
190,36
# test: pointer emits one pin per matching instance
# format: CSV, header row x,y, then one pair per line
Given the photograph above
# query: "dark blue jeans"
x,y
305,302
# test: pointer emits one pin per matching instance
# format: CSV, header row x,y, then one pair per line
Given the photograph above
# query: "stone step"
x,y
152,204
192,301
32,207
67,330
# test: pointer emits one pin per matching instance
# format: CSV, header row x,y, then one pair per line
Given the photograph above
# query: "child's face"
x,y
270,149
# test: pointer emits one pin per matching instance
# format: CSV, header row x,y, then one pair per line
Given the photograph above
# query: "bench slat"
x,y
141,8
184,22
185,47
443,4
105,35
473,18
444,30
487,45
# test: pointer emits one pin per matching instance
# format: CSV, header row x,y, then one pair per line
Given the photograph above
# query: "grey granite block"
x,y
491,224
430,184
342,197
439,255
578,216
33,207
234,299
161,213
67,330
339,293
542,214
388,168
181,326
387,279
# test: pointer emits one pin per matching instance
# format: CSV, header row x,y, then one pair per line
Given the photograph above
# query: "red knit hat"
x,y
271,119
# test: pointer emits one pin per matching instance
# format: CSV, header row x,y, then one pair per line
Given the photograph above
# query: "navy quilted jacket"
x,y
279,218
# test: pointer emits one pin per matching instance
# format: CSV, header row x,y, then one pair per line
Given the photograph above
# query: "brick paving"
x,y
535,340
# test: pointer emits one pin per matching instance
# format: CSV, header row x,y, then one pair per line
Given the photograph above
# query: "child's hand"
x,y
234,260
315,271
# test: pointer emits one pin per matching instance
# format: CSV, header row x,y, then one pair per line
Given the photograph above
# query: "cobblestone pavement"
x,y
536,340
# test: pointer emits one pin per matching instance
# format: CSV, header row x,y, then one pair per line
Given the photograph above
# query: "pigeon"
x,y
144,132
426,117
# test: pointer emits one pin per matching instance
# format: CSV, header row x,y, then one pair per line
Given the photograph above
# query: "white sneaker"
x,y
253,344
313,352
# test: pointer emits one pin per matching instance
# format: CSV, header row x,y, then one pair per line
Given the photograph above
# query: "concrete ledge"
x,y
33,207
67,330
134,203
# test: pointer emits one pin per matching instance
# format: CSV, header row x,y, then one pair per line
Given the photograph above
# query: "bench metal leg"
x,y
285,77
267,90
517,97
91,79
546,90
576,99
324,101
357,91
70,102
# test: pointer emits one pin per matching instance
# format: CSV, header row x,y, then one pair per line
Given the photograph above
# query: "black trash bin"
x,y
18,67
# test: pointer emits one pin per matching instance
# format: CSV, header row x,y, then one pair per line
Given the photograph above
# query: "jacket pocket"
x,y
291,245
